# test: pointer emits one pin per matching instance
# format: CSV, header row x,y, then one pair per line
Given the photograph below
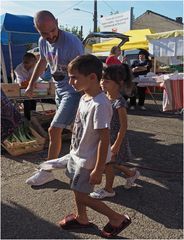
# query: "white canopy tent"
x,y
166,43
167,46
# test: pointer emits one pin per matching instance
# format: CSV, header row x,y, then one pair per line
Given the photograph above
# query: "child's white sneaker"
x,y
130,181
143,108
40,177
132,108
101,193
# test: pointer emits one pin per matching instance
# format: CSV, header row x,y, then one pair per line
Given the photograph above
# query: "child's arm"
x,y
96,174
25,83
123,128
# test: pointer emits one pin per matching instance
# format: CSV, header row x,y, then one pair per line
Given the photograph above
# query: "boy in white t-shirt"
x,y
90,146
23,74
25,69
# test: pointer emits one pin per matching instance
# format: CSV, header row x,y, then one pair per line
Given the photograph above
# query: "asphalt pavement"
x,y
155,204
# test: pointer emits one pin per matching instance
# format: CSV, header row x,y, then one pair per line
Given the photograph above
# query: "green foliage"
x,y
75,30
21,134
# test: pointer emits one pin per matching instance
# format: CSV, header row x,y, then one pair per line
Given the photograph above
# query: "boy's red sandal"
x,y
70,222
110,231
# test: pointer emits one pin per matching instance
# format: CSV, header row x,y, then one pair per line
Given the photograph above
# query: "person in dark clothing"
x,y
140,67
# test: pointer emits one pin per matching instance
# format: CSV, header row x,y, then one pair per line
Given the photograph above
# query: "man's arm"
x,y
139,69
96,174
39,69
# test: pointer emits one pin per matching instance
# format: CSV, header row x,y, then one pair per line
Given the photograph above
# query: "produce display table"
x,y
172,85
22,98
148,82
18,100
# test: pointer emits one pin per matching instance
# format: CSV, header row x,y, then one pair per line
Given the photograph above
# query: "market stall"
x,y
172,85
170,46
18,33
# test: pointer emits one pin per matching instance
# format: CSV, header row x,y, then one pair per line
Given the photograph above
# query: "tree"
x,y
75,30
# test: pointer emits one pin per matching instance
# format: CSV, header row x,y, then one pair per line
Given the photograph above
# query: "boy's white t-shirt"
x,y
92,115
22,74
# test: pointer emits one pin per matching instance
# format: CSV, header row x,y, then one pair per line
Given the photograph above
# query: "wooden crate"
x,y
36,92
11,89
19,148
52,89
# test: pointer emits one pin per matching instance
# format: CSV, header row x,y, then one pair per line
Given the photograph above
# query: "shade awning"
x,y
168,34
18,30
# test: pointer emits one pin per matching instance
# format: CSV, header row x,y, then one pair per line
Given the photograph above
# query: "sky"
x,y
63,10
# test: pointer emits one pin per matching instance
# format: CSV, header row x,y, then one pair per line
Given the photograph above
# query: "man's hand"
x,y
29,91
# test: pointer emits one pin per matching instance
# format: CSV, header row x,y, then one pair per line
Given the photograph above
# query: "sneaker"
x,y
130,181
132,108
40,177
101,193
142,108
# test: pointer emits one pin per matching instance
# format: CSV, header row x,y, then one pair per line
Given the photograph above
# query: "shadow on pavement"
x,y
161,197
155,113
156,202
23,224
150,151
55,184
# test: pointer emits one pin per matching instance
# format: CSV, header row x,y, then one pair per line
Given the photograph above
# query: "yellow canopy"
x,y
137,40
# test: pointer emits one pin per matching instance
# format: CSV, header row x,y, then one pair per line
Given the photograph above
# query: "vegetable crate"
x,y
17,147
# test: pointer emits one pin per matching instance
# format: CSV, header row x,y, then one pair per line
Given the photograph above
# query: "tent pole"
x,y
155,65
131,18
5,79
11,62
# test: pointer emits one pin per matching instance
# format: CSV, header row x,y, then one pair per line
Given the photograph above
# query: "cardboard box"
x,y
11,89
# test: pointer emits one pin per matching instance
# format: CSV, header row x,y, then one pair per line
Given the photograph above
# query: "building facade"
x,y
157,22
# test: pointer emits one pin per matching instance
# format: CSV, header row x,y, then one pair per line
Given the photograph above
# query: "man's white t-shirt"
x,y
92,115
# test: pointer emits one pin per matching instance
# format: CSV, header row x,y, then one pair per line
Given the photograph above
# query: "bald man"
x,y
57,48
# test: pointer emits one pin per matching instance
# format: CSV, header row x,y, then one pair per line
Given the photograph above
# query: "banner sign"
x,y
120,22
